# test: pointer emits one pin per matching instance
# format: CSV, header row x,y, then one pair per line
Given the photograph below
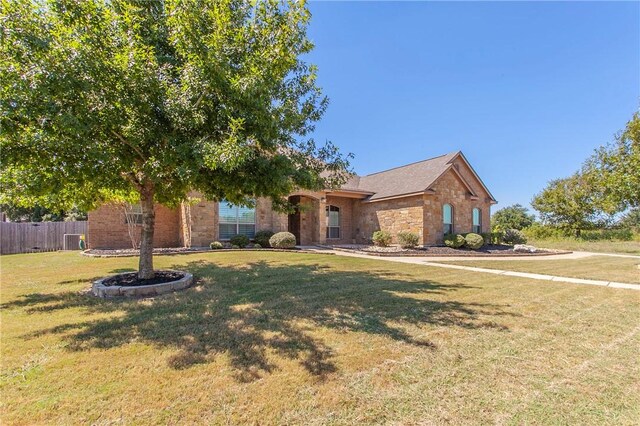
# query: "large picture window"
x,y
333,222
235,220
447,219
477,221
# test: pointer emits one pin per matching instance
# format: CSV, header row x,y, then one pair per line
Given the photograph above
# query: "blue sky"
x,y
525,90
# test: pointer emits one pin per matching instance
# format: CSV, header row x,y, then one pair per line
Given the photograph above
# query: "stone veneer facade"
x,y
196,225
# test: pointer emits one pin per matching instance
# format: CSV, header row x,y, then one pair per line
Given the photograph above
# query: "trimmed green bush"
x,y
513,236
239,240
262,237
257,246
381,238
235,246
454,240
408,239
216,245
473,241
284,240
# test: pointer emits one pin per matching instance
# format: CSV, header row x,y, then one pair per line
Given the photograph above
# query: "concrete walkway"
x,y
537,276
431,261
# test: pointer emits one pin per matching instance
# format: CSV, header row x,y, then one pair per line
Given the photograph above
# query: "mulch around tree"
x,y
130,279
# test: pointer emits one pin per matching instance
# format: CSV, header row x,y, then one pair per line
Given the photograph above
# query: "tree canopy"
x,y
131,99
512,217
615,169
570,204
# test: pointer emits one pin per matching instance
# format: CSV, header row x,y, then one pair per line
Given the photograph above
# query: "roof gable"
x,y
414,178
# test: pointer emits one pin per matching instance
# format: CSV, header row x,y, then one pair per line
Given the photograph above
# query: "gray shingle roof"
x,y
412,178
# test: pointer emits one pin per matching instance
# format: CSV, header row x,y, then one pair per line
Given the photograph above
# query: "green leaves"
x,y
100,97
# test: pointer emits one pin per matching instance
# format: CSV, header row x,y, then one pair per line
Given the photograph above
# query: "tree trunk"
x,y
145,267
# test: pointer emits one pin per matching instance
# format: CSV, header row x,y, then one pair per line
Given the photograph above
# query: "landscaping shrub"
x,y
239,240
454,240
537,231
216,245
262,237
235,246
381,238
408,239
513,236
492,237
283,240
257,246
473,241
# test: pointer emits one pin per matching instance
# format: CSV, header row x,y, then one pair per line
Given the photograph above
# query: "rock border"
x,y
204,250
461,254
98,288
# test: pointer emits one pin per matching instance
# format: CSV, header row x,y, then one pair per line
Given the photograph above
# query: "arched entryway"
x,y
304,222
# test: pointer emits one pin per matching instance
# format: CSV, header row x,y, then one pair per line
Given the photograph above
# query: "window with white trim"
x,y
234,220
133,214
447,219
333,222
477,221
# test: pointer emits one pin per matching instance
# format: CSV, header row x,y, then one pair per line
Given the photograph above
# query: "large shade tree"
x,y
614,169
148,100
570,204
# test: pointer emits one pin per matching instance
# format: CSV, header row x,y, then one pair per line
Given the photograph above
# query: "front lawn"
x,y
280,338
602,246
606,268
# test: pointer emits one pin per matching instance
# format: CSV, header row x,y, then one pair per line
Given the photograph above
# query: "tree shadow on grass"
x,y
260,310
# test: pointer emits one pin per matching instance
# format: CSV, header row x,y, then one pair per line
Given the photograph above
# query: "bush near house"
x,y
492,237
513,236
216,245
454,240
408,239
257,246
473,241
283,240
239,240
381,238
262,237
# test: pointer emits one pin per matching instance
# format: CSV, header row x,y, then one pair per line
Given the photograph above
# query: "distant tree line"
x,y
38,213
607,185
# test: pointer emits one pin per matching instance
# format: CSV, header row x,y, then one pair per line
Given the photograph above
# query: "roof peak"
x,y
415,162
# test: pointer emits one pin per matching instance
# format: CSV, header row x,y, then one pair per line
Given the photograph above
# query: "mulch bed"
x,y
167,251
487,251
130,279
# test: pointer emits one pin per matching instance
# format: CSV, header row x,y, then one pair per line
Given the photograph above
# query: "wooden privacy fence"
x,y
33,237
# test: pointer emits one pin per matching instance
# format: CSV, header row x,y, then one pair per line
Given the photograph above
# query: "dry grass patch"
x,y
275,338
606,268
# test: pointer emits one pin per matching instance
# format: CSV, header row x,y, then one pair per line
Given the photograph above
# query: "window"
x,y
447,219
333,222
477,217
235,220
133,214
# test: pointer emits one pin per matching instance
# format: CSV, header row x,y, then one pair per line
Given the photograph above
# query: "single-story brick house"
x,y
430,198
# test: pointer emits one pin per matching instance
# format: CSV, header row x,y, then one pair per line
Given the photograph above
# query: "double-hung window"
x,y
234,220
447,219
477,221
333,222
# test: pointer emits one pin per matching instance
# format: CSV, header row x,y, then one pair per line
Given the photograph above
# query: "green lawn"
x,y
605,268
283,338
624,247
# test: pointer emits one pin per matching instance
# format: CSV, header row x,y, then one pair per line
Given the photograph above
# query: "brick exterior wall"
x,y
347,231
395,215
107,228
449,189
